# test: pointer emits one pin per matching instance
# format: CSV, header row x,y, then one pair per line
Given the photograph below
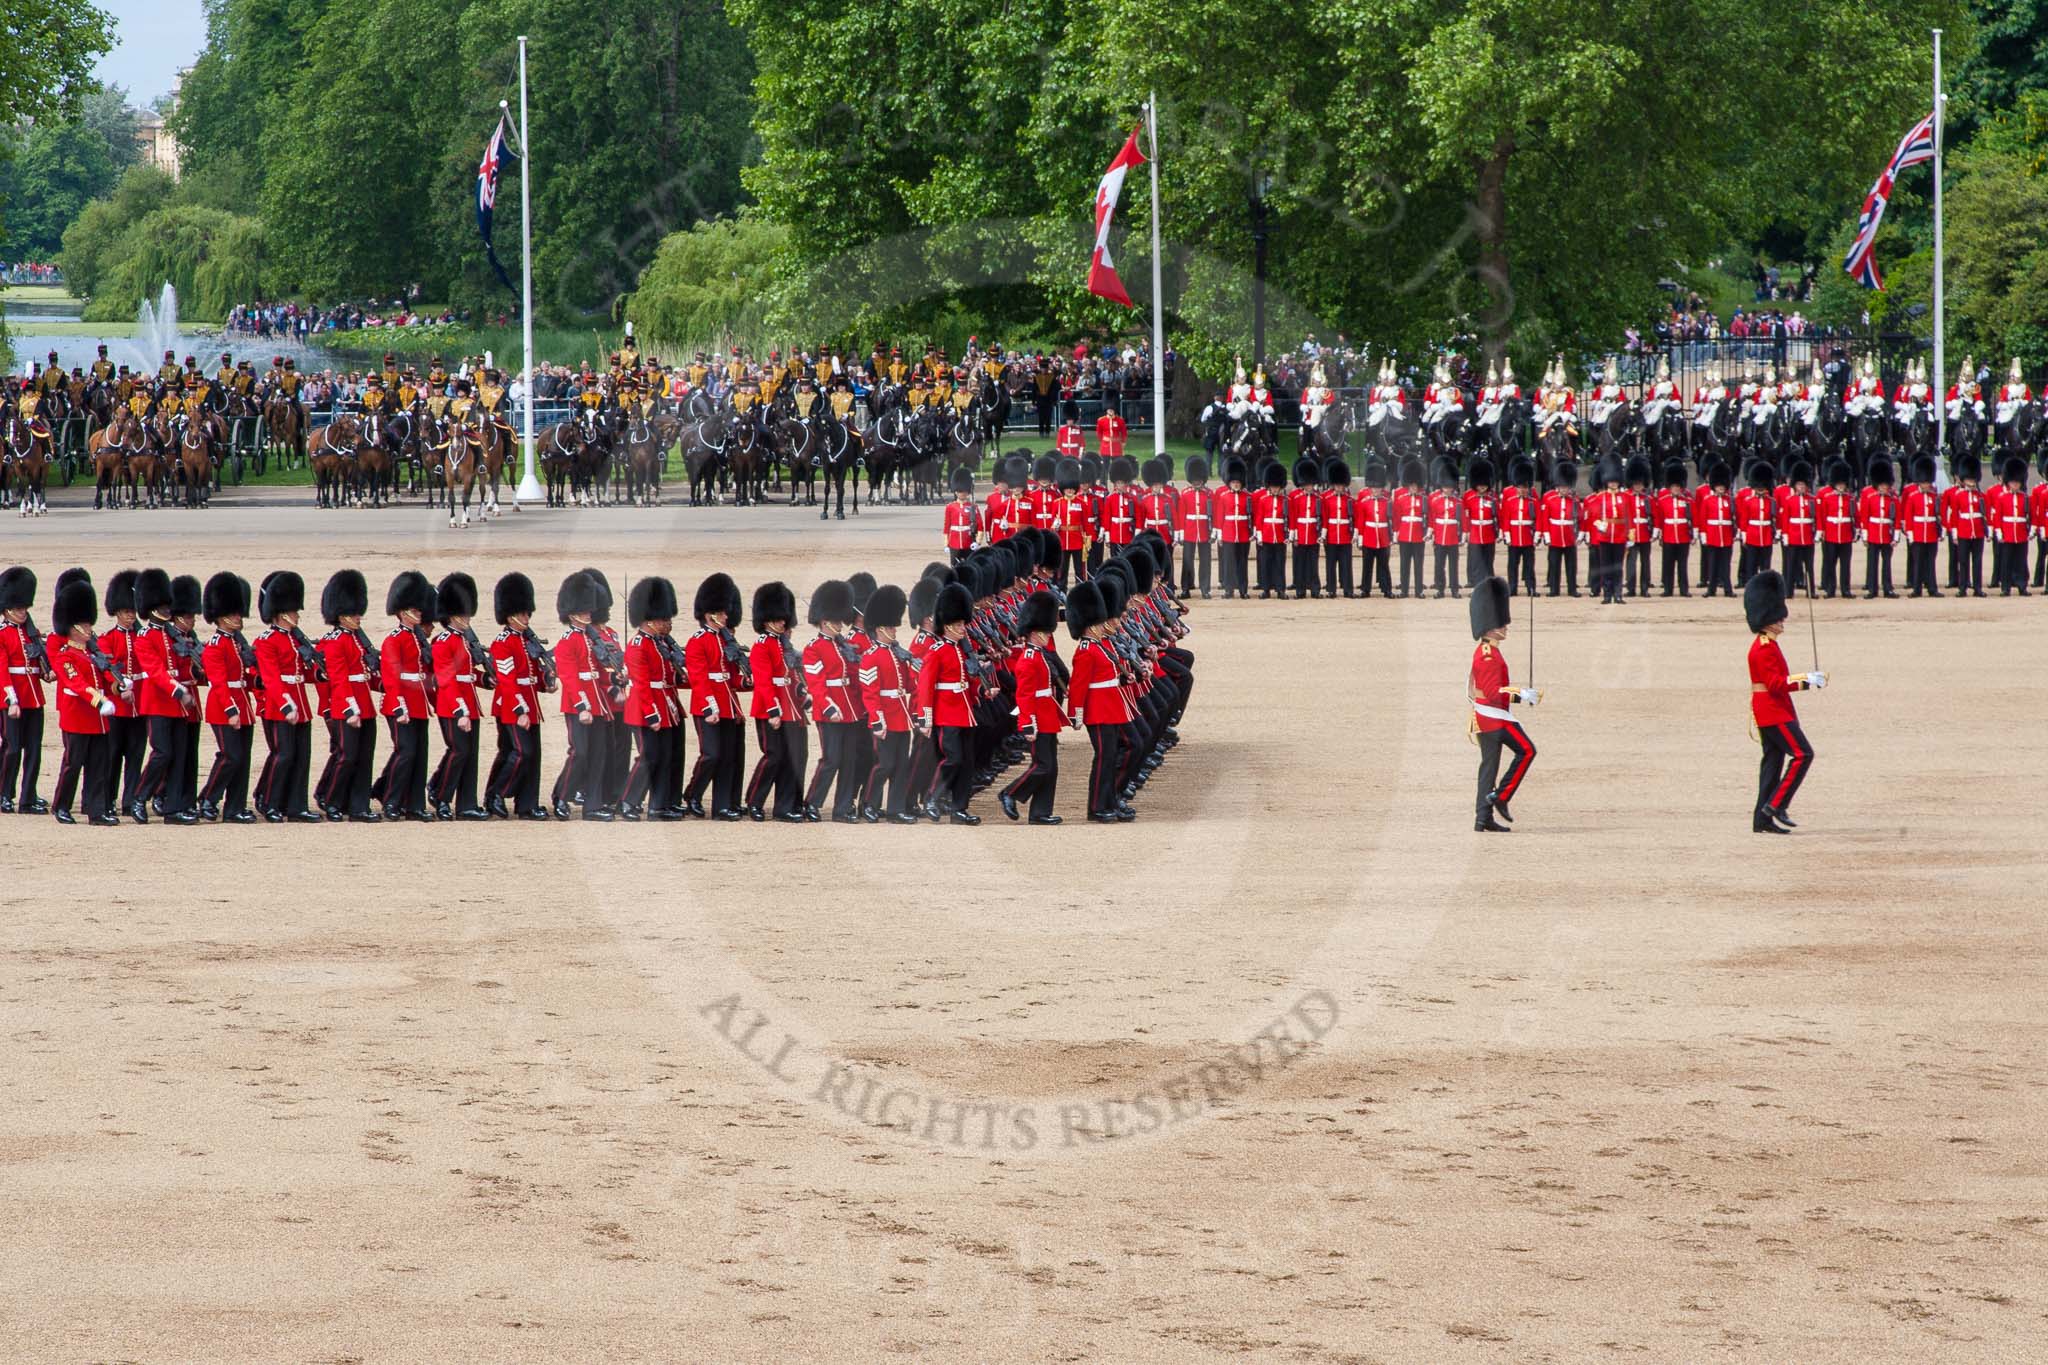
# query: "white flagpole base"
x,y
529,490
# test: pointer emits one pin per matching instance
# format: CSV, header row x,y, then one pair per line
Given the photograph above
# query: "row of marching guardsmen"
x,y
1319,520
909,722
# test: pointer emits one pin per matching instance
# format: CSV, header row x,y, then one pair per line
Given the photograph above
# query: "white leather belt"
x,y
17,670
718,677
1113,682
891,692
410,677
658,686
465,677
358,677
782,682
952,687
289,678
523,682
235,682
586,676
830,682
1043,692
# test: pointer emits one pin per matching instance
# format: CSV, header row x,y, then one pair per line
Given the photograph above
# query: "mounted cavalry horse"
x,y
27,460
333,452
822,439
118,453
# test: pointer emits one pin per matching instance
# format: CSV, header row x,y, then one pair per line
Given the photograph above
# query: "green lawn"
x,y
41,327
35,293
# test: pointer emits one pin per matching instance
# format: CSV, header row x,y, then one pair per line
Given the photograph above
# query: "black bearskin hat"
x,y
924,596
1233,470
862,585
1091,470
410,589
955,604
832,600
1337,474
1143,566
455,596
1802,472
1760,474
1085,609
1198,469
75,606
152,591
1674,473
1923,469
70,576
1489,606
962,480
1881,473
1115,590
1275,475
2015,470
578,595
773,602
651,599
18,588
1763,599
602,612
120,595
1155,472
1043,468
1411,471
1479,473
283,591
513,595
1638,470
1067,474
225,595
1838,471
186,595
884,610
1521,470
1608,471
1306,471
1565,474
1122,469
1968,469
1375,472
715,594
1718,474
1041,612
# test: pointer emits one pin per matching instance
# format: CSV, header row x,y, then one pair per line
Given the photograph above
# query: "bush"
x,y
708,285
91,242
214,259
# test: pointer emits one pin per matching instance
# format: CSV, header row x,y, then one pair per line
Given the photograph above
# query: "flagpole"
x,y
529,489
1940,369
1158,302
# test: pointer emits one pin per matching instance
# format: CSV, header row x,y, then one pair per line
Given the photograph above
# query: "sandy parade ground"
x,y
1295,1067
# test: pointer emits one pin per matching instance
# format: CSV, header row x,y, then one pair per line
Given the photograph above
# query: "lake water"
x,y
38,326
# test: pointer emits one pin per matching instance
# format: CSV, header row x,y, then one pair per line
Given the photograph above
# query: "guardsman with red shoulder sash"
x,y
1041,688
232,679
1672,510
1491,694
1787,757
523,669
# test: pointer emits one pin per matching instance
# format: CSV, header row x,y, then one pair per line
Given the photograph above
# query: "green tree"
x,y
242,83
107,112
214,260
58,169
708,285
94,242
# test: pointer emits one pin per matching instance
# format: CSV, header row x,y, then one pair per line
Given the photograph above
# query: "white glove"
x,y
1816,680
106,708
1527,696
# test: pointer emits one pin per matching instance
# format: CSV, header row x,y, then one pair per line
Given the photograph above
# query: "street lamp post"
x,y
1262,183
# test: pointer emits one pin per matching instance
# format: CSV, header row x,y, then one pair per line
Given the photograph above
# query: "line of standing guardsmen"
x,y
905,731
1304,535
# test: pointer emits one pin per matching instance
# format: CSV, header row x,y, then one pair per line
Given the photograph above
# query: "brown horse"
x,y
560,449
458,457
284,423
109,450
28,465
331,453
193,465
494,455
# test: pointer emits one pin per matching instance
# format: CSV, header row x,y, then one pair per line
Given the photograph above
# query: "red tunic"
x,y
583,682
711,683
1372,517
887,688
1446,513
1920,514
1269,516
774,667
1411,516
651,700
282,672
2037,508
405,667
1962,513
1770,703
227,683
1120,517
831,683
1638,517
454,678
1094,691
1517,513
1480,517
1037,708
1798,518
1756,517
119,645
1110,431
1877,516
1557,519
1075,522
1335,515
1489,681
518,690
1234,516
1156,511
1194,515
1304,516
164,671
1067,440
942,685
999,514
1674,517
79,686
1837,517
962,523
22,684
1714,515
1604,517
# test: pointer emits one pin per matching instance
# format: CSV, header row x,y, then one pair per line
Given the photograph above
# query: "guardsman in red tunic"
x,y
286,662
1713,519
1836,508
1771,685
84,705
1604,518
888,689
654,706
832,679
128,730
166,695
1233,513
1337,528
1194,527
1157,507
586,699
963,518
405,662
1480,521
24,668
1494,726
1410,507
1446,526
1756,522
1372,524
1640,530
1041,689
1269,529
1520,502
1920,516
780,709
999,511
1067,441
232,678
2037,516
1096,698
523,670
1305,525
1120,505
462,669
1672,510
1074,520
1962,513
714,702
943,705
1798,528
1110,432
2007,508
1877,525
1557,522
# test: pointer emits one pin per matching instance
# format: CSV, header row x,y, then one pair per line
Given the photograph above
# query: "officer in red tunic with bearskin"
x,y
1787,757
524,670
1493,723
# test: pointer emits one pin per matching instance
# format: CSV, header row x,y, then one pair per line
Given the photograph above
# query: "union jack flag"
x,y
497,156
1915,147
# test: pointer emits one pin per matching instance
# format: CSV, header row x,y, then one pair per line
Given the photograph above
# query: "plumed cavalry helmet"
x,y
1763,599
773,601
512,595
1489,606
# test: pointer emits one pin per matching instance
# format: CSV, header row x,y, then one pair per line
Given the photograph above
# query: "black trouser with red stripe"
x,y
89,758
1514,738
1041,779
283,787
835,763
162,775
227,783
1105,775
784,753
128,740
515,772
891,770
455,779
1786,761
953,785
718,759
405,776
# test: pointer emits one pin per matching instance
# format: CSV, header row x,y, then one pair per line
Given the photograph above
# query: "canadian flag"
x,y
1102,277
